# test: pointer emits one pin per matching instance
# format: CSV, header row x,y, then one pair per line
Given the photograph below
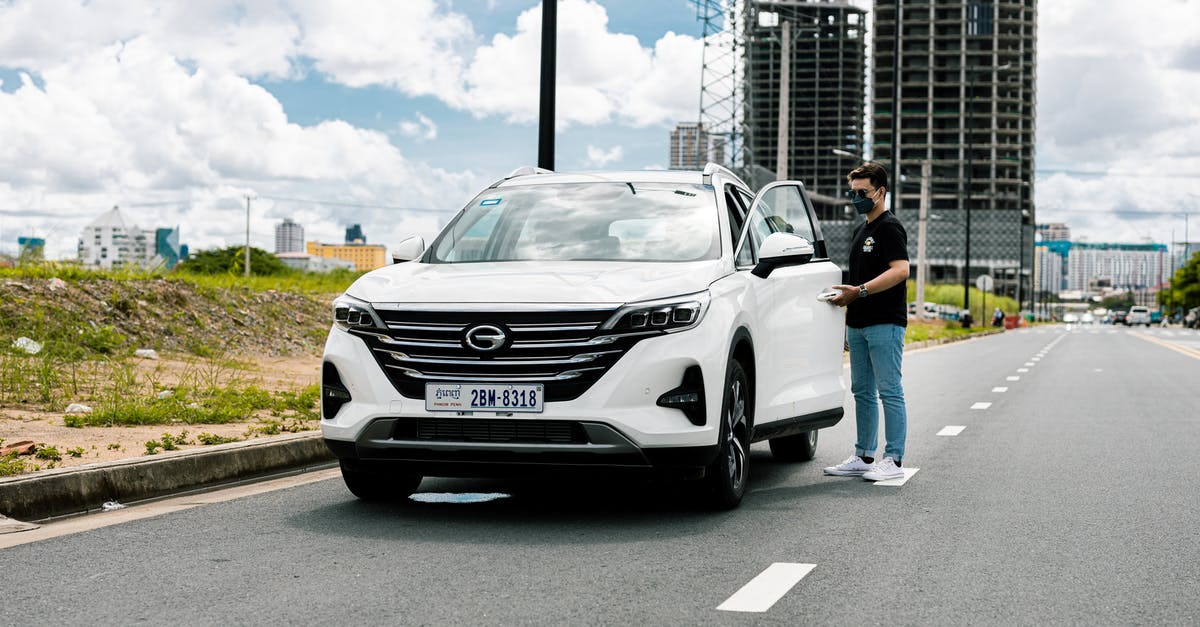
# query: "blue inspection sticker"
x,y
488,202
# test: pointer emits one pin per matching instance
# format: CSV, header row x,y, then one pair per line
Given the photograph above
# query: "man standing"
x,y
876,319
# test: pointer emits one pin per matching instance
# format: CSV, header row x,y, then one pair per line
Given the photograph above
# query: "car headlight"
x,y
352,313
669,314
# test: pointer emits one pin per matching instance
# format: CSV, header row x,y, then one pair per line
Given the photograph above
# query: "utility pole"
x,y
896,112
247,269
785,67
923,235
549,65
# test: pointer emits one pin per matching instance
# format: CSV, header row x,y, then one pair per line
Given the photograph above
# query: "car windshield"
x,y
594,221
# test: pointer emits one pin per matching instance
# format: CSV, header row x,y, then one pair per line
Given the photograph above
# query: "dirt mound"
x,y
105,315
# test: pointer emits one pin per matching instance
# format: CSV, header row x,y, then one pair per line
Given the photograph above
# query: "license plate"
x,y
501,397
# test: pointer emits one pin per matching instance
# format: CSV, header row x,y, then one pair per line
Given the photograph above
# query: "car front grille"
x,y
565,351
490,430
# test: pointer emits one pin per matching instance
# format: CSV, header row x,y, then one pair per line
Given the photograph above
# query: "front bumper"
x,y
615,424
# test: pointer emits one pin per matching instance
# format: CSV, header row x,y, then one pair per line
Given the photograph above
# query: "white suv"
x,y
1138,314
646,321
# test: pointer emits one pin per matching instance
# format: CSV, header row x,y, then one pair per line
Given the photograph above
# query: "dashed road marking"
x,y
1000,390
768,587
1022,369
1030,363
981,405
951,430
1013,378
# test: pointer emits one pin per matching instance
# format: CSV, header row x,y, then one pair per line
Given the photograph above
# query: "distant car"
x,y
1087,318
1071,318
1191,319
1118,317
1138,314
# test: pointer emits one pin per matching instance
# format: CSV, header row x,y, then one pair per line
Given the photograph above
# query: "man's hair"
x,y
870,170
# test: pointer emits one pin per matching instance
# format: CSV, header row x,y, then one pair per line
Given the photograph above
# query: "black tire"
x,y
376,486
725,478
801,447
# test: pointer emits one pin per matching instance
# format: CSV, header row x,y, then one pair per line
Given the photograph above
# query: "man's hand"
x,y
849,294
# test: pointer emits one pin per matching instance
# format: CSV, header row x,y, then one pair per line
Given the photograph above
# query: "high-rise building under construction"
x,y
806,59
967,96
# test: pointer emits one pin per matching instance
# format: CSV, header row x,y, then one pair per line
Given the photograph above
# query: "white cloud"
x,y
599,157
127,124
422,128
601,76
1117,94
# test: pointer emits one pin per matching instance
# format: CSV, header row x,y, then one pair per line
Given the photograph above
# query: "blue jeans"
x,y
875,357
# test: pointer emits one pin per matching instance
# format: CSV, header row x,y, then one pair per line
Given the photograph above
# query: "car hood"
x,y
535,282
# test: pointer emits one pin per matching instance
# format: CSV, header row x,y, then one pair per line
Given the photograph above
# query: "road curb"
x,y
81,489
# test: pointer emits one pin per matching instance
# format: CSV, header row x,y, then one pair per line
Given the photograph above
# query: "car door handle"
x,y
825,297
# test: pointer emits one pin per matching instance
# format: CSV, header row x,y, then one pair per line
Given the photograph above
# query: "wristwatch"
x,y
862,291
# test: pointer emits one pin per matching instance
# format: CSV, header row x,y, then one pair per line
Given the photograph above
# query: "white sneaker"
x,y
854,466
883,470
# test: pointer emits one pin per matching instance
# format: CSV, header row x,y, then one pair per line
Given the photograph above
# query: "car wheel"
x,y
725,479
376,486
801,447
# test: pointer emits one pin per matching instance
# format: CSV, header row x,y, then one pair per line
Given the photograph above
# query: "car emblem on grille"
x,y
485,337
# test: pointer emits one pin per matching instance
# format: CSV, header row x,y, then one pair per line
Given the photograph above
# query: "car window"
x,y
599,221
758,226
786,209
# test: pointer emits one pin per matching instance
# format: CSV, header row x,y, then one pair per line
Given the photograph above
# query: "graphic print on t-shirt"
x,y
868,244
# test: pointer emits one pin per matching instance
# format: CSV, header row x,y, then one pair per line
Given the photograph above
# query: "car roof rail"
x,y
524,170
711,168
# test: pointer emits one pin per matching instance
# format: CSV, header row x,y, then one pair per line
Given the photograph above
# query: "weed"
x,y
208,439
152,447
48,452
114,446
75,452
12,465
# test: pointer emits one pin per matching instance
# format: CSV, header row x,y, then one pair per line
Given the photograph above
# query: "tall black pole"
x,y
896,112
546,110
967,203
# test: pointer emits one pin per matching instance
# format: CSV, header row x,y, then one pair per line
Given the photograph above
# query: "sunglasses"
x,y
858,193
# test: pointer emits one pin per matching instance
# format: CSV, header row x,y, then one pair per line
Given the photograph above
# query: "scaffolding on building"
x,y
722,86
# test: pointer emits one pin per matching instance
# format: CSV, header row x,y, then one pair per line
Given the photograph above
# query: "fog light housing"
x,y
688,397
333,392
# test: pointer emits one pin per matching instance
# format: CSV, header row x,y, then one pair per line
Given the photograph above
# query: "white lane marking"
x,y
951,430
1035,359
1030,363
1000,390
1022,369
768,587
1012,378
1098,370
981,405
1168,334
899,481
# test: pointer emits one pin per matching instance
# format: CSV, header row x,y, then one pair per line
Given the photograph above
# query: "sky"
x,y
393,114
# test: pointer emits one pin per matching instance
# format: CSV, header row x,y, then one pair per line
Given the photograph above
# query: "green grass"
x,y
952,294
11,465
294,281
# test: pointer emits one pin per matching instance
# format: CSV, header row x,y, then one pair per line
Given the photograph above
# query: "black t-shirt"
x,y
876,244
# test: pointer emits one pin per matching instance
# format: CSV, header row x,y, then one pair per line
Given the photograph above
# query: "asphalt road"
x,y
1069,497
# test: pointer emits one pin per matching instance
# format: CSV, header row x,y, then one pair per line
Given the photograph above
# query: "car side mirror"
x,y
409,249
782,249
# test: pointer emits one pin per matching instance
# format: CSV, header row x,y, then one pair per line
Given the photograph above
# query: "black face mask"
x,y
862,204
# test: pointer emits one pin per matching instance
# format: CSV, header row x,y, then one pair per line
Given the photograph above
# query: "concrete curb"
x,y
80,489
